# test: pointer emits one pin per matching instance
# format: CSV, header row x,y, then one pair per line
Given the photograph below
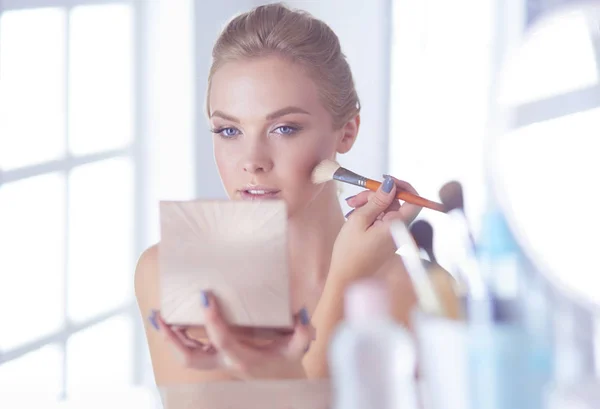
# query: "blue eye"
x,y
226,132
286,130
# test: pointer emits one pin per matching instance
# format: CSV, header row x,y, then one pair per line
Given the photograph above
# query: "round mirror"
x,y
544,152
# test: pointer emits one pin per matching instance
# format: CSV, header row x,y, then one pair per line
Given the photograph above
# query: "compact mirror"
x,y
544,151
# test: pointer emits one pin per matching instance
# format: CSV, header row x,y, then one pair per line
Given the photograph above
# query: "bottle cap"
x,y
366,299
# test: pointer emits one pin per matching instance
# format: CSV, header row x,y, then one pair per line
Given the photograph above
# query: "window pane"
x,y
100,80
32,87
100,356
100,238
32,248
38,372
556,57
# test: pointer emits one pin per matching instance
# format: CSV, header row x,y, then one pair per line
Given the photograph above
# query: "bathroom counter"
x,y
284,394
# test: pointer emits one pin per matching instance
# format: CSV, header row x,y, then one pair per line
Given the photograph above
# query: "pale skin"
x,y
271,129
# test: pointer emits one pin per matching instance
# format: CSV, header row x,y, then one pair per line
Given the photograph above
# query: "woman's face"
x,y
270,131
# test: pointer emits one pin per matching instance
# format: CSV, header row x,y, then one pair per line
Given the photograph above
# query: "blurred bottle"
x,y
372,359
497,343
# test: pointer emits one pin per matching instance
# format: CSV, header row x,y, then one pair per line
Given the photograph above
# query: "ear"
x,y
349,132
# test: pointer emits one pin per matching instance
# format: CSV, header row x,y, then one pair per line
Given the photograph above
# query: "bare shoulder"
x,y
167,368
147,277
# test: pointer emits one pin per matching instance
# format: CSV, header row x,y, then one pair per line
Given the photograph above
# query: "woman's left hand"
x,y
281,358
406,212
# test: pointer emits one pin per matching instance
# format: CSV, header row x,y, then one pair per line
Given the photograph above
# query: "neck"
x,y
312,235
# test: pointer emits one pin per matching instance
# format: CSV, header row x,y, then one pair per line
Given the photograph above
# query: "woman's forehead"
x,y
262,86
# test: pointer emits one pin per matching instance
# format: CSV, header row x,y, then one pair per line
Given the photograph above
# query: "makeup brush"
x,y
422,233
426,293
443,282
469,276
331,170
451,195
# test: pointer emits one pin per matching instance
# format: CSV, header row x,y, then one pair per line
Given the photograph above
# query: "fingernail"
x,y
307,348
349,213
152,319
388,184
204,298
304,318
349,197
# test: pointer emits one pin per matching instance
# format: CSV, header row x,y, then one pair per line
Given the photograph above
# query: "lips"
x,y
259,193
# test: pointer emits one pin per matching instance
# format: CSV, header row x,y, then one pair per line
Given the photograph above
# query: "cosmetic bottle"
x,y
537,312
496,340
372,359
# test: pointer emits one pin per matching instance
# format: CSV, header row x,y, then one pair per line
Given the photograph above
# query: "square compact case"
x,y
235,249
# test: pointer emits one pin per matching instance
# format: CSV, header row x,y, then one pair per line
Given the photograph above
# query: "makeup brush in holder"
x,y
442,281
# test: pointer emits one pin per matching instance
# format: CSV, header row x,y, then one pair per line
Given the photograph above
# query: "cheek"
x,y
302,160
226,163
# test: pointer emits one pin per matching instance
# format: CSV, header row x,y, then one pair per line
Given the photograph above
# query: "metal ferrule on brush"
x,y
347,176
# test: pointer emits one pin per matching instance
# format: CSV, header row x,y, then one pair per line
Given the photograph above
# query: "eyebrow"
x,y
274,115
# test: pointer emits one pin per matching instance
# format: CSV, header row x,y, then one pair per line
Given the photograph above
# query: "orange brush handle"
x,y
408,197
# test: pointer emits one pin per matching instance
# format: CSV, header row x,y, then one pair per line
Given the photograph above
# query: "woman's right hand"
x,y
365,242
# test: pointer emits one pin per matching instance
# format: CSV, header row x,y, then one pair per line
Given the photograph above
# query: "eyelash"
x,y
219,131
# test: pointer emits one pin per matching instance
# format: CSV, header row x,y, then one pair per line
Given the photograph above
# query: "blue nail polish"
x,y
388,185
349,197
307,348
349,213
304,318
152,319
204,299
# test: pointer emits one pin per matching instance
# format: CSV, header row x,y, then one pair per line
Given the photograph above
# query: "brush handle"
x,y
408,197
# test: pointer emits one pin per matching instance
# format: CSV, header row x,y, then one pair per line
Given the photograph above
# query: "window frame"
x,y
136,151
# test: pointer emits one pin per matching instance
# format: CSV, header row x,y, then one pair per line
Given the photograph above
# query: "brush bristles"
x,y
451,195
422,232
324,171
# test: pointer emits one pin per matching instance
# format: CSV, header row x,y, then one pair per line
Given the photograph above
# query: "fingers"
x,y
403,185
363,197
377,203
233,352
192,356
406,212
409,211
359,199
181,333
171,336
304,334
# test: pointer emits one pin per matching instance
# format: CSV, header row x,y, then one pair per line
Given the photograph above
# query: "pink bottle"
x,y
371,357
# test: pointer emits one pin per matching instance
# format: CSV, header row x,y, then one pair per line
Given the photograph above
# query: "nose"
x,y
258,161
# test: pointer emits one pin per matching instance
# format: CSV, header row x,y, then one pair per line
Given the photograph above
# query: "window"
x,y
71,181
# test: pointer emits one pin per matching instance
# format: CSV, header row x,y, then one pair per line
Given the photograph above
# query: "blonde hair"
x,y
275,29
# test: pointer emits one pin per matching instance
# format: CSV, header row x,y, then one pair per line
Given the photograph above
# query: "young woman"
x,y
281,99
